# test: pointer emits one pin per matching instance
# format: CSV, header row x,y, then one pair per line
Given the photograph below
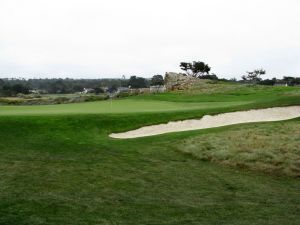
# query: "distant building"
x,y
123,90
281,84
158,89
139,90
37,91
105,89
87,90
34,91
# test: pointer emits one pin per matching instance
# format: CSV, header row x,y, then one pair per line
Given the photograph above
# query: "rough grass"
x,y
215,87
51,99
270,147
226,91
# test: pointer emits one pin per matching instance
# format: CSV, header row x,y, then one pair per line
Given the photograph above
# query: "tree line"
x,y
12,87
201,70
197,69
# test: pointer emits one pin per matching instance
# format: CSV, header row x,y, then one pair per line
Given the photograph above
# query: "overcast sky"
x,y
109,38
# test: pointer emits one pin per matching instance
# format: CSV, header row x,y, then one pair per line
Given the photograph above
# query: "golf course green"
x,y
116,106
59,166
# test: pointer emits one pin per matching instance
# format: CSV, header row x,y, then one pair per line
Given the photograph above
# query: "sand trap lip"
x,y
257,115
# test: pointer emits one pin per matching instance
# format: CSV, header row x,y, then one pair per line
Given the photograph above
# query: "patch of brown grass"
x,y
270,147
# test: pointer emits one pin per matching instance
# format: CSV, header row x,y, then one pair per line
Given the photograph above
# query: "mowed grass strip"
x,y
267,147
113,106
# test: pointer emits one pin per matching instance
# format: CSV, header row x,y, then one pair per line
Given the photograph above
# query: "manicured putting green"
x,y
114,106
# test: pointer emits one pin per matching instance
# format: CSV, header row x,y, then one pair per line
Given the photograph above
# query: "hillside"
x,y
58,165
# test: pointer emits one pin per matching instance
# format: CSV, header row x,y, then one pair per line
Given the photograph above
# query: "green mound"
x,y
113,106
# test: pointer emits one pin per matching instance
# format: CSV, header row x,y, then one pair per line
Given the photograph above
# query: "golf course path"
x,y
258,115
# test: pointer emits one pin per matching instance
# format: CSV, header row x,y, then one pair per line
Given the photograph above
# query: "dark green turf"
x,y
63,169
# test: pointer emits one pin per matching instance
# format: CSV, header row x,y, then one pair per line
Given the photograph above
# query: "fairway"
x,y
59,166
113,106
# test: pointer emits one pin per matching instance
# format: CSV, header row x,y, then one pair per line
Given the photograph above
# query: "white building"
x,y
158,89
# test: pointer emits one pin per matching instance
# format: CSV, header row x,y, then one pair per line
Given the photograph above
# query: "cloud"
x,y
98,38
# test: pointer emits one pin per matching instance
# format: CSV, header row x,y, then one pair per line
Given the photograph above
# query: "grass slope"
x,y
211,92
63,169
266,147
113,106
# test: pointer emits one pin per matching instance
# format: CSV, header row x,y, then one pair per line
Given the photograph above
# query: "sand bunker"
x,y
259,115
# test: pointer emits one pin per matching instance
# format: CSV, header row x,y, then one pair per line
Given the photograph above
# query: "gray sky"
x,y
109,38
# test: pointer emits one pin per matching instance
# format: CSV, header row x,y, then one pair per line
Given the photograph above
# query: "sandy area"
x,y
259,115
